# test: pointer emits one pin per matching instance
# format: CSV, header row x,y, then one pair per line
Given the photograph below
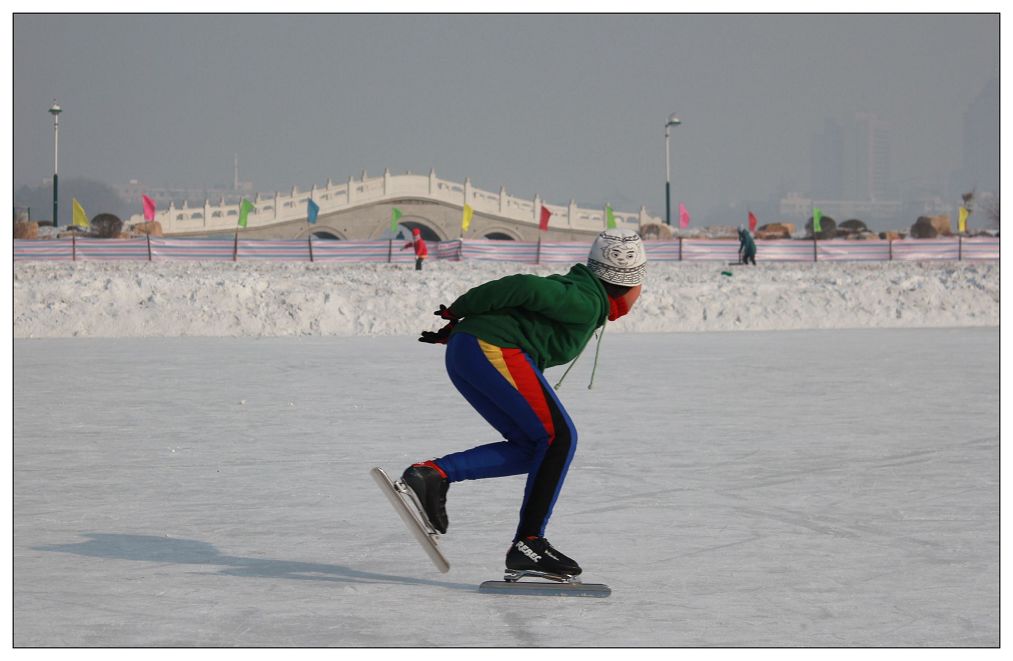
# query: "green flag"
x,y
610,219
245,207
395,215
817,215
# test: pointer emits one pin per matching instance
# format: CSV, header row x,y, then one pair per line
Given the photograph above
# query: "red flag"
x,y
683,216
544,223
752,222
149,208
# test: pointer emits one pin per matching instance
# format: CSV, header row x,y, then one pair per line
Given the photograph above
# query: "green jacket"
x,y
746,244
550,318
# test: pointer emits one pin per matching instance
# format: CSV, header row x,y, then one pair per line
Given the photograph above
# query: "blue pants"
x,y
510,392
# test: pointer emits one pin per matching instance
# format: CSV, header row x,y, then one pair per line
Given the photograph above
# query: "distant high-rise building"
x,y
826,159
850,172
872,158
979,163
851,161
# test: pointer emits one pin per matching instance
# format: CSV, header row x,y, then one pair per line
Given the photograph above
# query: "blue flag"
x,y
312,209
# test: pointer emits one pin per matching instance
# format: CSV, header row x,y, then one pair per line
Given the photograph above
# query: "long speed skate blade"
x,y
546,589
428,541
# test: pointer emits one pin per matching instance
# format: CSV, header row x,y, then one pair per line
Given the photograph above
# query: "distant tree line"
x,y
94,196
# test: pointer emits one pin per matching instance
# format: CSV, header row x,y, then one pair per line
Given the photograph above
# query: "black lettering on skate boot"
x,y
535,557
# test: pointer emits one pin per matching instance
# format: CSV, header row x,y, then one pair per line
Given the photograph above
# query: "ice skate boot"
x,y
535,556
429,484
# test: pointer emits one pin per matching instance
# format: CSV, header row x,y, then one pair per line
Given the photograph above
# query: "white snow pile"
x,y
157,299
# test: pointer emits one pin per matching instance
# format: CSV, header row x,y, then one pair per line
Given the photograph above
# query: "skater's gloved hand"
x,y
439,337
446,313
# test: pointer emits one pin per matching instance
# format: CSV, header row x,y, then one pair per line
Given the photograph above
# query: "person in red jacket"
x,y
421,252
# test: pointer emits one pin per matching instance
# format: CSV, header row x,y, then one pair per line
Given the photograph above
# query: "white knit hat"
x,y
618,256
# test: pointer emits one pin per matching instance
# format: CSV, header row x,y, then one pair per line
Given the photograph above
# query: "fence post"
x,y
891,250
815,256
960,248
680,248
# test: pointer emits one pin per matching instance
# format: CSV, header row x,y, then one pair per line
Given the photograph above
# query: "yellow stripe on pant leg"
x,y
495,356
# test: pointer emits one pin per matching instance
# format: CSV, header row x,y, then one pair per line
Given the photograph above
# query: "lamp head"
x,y
673,120
55,109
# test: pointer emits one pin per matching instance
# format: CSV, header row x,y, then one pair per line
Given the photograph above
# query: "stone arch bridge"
x,y
361,209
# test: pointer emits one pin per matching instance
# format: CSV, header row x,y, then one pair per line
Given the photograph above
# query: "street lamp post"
x,y
672,121
55,111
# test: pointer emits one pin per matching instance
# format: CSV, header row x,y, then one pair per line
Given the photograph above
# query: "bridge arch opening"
x,y
499,236
326,236
427,232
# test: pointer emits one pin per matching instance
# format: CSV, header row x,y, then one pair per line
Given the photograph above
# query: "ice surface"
x,y
814,488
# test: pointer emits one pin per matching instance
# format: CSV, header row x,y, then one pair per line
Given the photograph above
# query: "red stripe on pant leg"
x,y
530,387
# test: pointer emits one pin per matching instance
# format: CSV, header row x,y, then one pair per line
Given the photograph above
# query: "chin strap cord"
x,y
597,348
600,334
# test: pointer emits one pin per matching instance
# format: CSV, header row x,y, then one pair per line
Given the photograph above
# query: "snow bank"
x,y
142,299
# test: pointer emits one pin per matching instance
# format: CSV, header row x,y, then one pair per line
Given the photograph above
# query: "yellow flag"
x,y
466,218
962,220
80,217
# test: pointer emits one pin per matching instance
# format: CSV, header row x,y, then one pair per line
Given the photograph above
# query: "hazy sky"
x,y
566,106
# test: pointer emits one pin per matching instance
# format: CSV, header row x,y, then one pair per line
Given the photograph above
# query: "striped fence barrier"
x,y
853,251
198,250
568,251
356,252
101,250
979,248
663,251
709,251
782,250
925,250
488,250
449,250
52,251
272,251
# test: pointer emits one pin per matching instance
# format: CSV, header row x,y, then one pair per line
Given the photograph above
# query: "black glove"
x,y
446,313
439,337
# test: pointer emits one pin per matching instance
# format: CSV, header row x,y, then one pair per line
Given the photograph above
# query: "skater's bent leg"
x,y
546,479
498,400
509,391
500,385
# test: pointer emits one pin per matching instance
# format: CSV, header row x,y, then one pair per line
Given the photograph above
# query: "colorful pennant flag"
x,y
245,207
752,222
80,217
395,215
683,216
466,217
149,208
817,217
543,224
962,220
610,218
312,209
